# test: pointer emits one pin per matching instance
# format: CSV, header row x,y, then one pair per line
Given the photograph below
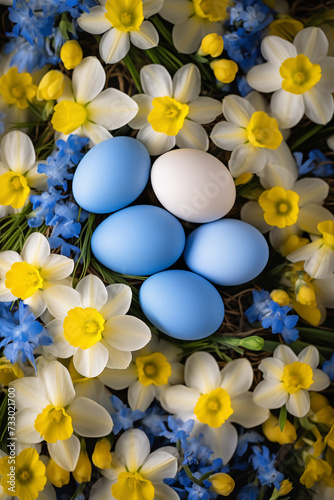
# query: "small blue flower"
x,y
179,430
245,439
317,164
261,306
43,206
123,417
279,322
196,452
264,464
328,367
153,423
248,492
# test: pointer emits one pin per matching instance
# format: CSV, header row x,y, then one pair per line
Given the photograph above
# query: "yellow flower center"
x,y
54,424
297,376
14,189
23,280
153,369
213,10
214,408
326,228
280,207
17,88
263,132
125,15
167,115
24,475
83,327
299,74
132,486
68,116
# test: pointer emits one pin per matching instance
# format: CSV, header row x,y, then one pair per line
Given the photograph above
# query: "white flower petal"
x,y
177,376
310,356
36,303
285,354
311,190
163,492
258,101
94,293
119,379
204,109
57,267
36,250
156,81
118,359
159,465
187,83
58,384
67,94
36,180
277,175
222,440
151,7
321,264
66,452
156,143
326,83
270,394
90,362
237,110
5,294
264,78
187,36
276,50
134,446
192,135
95,22
179,399
306,252
17,151
101,490
7,259
247,158
24,424
310,215
237,376
324,290
112,109
201,371
88,79
49,493
283,156
312,42
140,396
126,333
59,348
319,105
95,390
114,45
287,108
89,418
146,38
95,133
176,11
320,381
272,369
119,301
252,213
145,107
60,299
29,393
246,412
278,236
298,404
228,136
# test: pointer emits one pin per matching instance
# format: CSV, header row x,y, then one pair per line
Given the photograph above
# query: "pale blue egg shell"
x,y
182,304
227,252
139,240
111,175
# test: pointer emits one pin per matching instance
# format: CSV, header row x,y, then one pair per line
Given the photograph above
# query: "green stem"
x,y
78,491
305,137
133,71
191,477
162,29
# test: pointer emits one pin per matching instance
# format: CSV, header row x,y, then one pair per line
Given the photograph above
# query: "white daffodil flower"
x,y
26,276
171,111
318,255
153,369
49,409
133,467
301,76
18,172
91,325
287,207
85,109
194,20
122,22
288,378
251,134
214,399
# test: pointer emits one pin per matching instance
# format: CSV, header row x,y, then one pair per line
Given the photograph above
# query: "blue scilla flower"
x,y
22,334
260,307
245,439
264,464
28,23
153,422
278,320
179,430
248,492
123,417
43,206
66,248
196,492
317,164
328,367
196,452
27,57
72,148
252,15
2,125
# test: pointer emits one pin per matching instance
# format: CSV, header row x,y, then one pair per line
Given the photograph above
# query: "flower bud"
x,y
253,343
83,471
272,431
51,86
56,474
224,70
243,178
71,54
212,45
222,484
280,296
305,295
101,457
285,27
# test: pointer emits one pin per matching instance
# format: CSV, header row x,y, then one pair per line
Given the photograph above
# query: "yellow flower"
x,y
83,470
214,408
83,327
243,179
285,27
124,15
212,45
71,54
280,207
224,70
263,132
132,486
314,471
167,115
68,116
272,431
293,243
9,371
54,423
28,473
14,189
285,488
17,88
297,376
329,439
280,296
101,457
299,74
51,86
222,484
213,10
56,474
326,228
153,369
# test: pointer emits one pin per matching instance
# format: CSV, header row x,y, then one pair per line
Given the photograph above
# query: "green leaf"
x,y
282,418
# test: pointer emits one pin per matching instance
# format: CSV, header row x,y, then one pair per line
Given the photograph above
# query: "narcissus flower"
x,y
91,325
214,399
49,409
28,275
299,74
288,378
135,473
17,88
171,111
122,22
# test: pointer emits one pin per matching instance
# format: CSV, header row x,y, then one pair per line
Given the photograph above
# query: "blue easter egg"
x,y
111,175
182,304
138,240
227,252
